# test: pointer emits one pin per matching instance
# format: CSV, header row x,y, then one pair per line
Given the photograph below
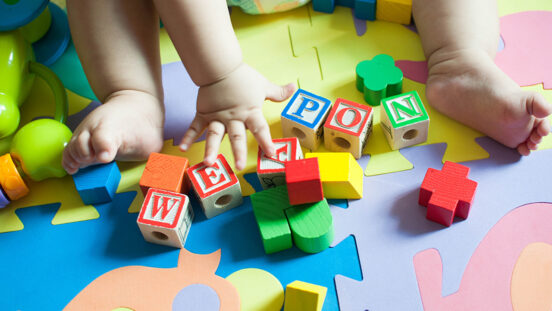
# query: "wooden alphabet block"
x,y
164,171
10,180
271,171
303,181
341,175
302,296
98,183
165,217
217,187
348,127
404,120
395,11
303,118
447,193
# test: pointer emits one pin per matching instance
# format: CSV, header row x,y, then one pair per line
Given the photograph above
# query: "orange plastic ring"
x,y
10,179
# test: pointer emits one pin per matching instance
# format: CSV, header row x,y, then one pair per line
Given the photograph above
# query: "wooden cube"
x,y
10,180
302,296
271,171
164,171
404,120
97,184
216,187
165,217
303,118
341,175
395,11
303,181
348,127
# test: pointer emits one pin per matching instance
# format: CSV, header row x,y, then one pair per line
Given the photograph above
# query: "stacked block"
x,y
341,175
302,296
217,187
98,183
348,127
11,181
396,11
447,193
404,120
363,9
165,217
303,181
165,172
271,170
309,226
378,78
303,118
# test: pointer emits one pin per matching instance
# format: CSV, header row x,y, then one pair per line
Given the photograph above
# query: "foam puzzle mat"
x,y
58,252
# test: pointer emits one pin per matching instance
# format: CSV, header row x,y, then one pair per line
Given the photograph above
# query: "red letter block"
x,y
303,181
447,193
166,172
271,171
217,187
165,217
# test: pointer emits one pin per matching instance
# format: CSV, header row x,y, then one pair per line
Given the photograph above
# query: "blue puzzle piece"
x,y
98,183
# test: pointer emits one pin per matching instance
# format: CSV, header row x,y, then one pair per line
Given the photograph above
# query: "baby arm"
x,y
231,93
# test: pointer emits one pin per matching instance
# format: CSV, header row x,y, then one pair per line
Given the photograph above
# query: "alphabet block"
x,y
216,187
271,171
165,217
395,11
404,120
348,127
303,118
98,183
302,296
363,9
341,175
303,181
166,172
10,180
447,193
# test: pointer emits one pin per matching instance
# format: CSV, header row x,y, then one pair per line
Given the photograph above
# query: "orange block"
x,y
165,172
10,179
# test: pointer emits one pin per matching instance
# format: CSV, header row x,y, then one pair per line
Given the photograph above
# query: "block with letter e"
x,y
165,217
304,116
348,127
404,120
271,170
216,187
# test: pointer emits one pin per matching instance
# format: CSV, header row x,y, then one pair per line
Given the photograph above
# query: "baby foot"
x,y
468,86
128,126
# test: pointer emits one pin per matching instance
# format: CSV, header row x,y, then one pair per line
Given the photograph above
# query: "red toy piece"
x,y
447,193
303,181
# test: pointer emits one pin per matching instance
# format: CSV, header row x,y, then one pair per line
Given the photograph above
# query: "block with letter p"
x,y
165,217
216,186
348,127
271,170
303,118
404,120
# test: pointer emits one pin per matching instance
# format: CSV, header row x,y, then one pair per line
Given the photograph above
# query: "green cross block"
x,y
309,226
378,78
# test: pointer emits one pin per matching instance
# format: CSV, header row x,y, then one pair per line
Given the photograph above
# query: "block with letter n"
x,y
216,187
348,127
404,120
303,118
272,170
165,217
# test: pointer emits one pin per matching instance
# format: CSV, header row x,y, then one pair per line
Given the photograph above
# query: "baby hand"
x,y
231,105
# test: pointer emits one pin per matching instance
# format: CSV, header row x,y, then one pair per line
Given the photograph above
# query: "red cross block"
x,y
447,193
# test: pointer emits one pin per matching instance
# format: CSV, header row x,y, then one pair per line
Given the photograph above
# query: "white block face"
x,y
271,171
165,218
348,127
217,187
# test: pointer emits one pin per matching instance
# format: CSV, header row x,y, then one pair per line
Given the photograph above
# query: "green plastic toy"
x,y
378,78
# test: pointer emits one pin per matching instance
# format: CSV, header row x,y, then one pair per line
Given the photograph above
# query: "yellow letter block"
x,y
301,296
340,173
395,11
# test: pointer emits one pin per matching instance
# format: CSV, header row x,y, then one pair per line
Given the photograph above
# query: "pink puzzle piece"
x,y
487,278
525,56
